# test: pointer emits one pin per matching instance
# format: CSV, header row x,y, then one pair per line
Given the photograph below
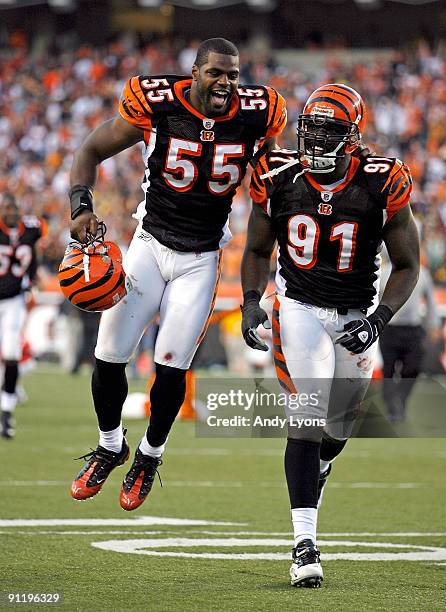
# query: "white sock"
x,y
112,440
304,524
324,466
148,449
8,401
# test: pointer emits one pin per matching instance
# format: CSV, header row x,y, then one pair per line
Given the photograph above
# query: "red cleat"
x,y
95,472
139,480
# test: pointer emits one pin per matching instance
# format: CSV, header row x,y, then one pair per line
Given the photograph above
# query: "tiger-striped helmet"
x,y
330,126
91,275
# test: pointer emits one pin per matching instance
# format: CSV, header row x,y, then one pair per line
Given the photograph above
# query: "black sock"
x,y
302,472
330,448
109,387
166,398
10,376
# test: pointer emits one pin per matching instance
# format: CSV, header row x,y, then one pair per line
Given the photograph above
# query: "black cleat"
x,y
95,472
306,569
139,480
321,485
7,425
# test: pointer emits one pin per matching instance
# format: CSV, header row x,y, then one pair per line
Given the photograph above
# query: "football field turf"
x,y
216,536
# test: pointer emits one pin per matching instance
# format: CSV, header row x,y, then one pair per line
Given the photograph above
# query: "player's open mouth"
x,y
315,150
219,98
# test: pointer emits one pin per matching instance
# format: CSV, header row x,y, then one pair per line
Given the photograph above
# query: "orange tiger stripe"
x,y
116,290
399,187
272,100
279,356
341,112
133,105
264,166
282,371
70,271
341,93
106,286
284,380
135,88
276,326
346,103
396,168
277,116
79,295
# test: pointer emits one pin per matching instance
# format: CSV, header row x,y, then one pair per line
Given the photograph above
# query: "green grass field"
x,y
385,501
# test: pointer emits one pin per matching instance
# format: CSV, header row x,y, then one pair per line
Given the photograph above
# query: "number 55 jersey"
x,y
330,237
194,163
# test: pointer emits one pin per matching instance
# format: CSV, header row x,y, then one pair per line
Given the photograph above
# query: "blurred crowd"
x,y
50,99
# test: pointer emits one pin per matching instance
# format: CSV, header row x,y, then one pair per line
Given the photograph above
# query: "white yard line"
x,y
140,546
140,520
232,484
285,534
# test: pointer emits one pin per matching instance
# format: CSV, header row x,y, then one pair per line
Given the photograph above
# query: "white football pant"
x,y
308,361
181,287
12,321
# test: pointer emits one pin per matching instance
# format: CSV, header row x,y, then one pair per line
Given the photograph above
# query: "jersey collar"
x,y
354,163
179,88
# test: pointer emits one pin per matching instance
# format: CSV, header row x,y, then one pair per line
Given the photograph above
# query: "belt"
x,y
344,311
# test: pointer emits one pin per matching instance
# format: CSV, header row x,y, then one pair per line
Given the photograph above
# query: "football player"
x,y
18,268
198,136
330,212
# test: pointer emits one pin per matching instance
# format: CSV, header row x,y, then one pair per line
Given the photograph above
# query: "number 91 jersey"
x,y
329,239
194,163
17,255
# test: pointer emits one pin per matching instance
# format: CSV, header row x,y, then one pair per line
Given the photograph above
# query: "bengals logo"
x,y
324,209
207,135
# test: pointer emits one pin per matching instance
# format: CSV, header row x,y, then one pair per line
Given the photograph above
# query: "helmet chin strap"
x,y
327,164
294,162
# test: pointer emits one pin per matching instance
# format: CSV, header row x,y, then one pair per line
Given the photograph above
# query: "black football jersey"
x,y
194,164
18,255
329,240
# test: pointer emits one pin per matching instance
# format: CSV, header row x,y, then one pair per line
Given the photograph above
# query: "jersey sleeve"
x,y
277,116
134,106
398,189
257,187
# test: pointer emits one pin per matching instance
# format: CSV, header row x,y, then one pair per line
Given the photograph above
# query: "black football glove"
x,y
362,333
252,317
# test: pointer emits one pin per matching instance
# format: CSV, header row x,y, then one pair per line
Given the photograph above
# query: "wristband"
x,y
384,312
381,316
81,199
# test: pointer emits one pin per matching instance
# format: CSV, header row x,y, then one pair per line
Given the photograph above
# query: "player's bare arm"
x,y
402,242
110,138
255,273
401,239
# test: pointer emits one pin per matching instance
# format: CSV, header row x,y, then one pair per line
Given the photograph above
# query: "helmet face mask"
x,y
330,127
322,141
